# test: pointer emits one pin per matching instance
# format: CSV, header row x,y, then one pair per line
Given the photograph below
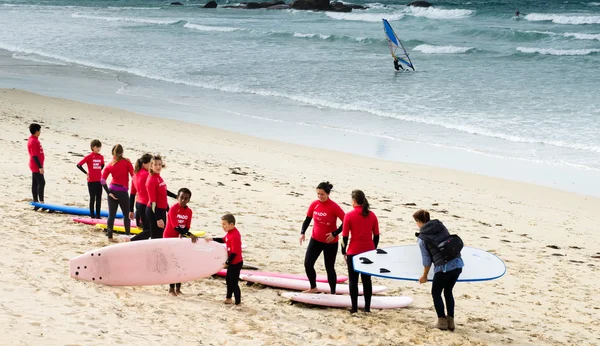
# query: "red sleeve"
x,y
340,213
151,188
311,209
35,148
130,168
346,225
188,225
375,225
133,185
84,160
106,172
102,162
172,216
236,245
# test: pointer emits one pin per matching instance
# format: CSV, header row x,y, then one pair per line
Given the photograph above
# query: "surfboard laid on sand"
x,y
135,230
149,262
404,263
71,210
94,222
301,285
320,278
343,301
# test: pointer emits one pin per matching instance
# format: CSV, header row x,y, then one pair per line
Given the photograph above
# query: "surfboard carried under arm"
x,y
396,48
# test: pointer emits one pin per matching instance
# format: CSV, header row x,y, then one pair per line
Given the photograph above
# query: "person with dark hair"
x,y
431,233
324,236
179,222
120,169
139,196
95,165
36,163
235,261
397,65
362,227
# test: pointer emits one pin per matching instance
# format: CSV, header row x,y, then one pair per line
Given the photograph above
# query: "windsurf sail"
x,y
396,48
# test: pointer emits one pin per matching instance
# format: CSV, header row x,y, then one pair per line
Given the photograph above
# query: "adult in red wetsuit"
x,y
120,169
179,223
362,227
95,165
324,236
156,209
138,196
36,163
235,261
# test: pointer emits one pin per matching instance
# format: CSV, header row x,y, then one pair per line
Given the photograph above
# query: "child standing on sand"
x,y
235,261
95,165
36,163
179,221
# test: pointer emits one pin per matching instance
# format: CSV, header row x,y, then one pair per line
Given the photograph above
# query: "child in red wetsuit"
x,y
120,168
36,163
235,261
179,221
95,165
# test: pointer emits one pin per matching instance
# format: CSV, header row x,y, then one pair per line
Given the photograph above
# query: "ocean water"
x,y
486,83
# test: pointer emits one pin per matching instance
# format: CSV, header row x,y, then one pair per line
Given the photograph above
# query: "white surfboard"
x,y
302,285
404,263
343,301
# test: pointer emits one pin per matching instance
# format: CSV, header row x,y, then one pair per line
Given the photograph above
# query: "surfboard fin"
x,y
381,251
365,260
383,270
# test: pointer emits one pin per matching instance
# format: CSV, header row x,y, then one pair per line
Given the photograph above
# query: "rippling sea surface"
x,y
524,88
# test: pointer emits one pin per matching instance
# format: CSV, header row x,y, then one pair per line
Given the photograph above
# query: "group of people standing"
x,y
360,233
359,227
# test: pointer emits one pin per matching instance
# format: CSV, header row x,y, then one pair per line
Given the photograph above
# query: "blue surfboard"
x,y
71,210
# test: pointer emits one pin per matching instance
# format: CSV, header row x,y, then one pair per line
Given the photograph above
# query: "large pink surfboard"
x,y
343,301
302,285
94,222
320,278
149,262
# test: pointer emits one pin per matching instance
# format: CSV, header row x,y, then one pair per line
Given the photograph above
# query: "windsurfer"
x,y
397,65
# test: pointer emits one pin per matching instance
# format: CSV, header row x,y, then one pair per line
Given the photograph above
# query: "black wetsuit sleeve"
x,y
171,194
131,201
231,257
376,240
338,231
219,240
183,230
82,169
102,167
37,161
344,244
305,224
106,189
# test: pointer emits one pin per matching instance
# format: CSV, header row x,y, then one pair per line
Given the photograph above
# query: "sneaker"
x,y
451,325
442,323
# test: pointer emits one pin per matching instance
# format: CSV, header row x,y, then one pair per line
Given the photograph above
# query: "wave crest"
x,y
429,49
557,52
128,19
563,19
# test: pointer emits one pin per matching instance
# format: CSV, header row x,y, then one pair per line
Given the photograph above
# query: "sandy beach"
x,y
547,238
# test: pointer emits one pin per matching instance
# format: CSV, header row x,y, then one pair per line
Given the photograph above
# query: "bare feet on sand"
x,y
228,301
311,290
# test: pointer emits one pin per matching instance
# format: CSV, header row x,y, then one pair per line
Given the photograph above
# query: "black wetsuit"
x,y
397,65
232,277
353,279
147,219
313,251
95,191
38,183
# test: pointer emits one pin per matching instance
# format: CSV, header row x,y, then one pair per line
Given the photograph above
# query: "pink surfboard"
x,y
149,262
301,285
343,301
320,278
94,222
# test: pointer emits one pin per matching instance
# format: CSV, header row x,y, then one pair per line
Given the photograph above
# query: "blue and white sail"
x,y
396,48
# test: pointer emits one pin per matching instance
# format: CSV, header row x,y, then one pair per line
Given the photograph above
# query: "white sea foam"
x,y
124,8
563,19
37,58
211,28
366,17
436,13
128,19
429,49
557,52
582,36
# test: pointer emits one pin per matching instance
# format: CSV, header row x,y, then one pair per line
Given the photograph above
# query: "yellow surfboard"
x,y
135,230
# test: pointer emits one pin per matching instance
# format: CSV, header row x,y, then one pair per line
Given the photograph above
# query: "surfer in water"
x,y
397,65
361,226
324,237
517,14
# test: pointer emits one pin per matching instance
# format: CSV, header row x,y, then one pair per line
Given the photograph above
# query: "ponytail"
x,y
146,158
117,152
359,197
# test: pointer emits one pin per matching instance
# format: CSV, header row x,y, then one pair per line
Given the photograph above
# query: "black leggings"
x,y
313,251
353,281
95,190
140,216
122,201
444,282
173,286
151,229
38,183
232,278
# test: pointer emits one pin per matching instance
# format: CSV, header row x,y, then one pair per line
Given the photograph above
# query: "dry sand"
x,y
546,297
